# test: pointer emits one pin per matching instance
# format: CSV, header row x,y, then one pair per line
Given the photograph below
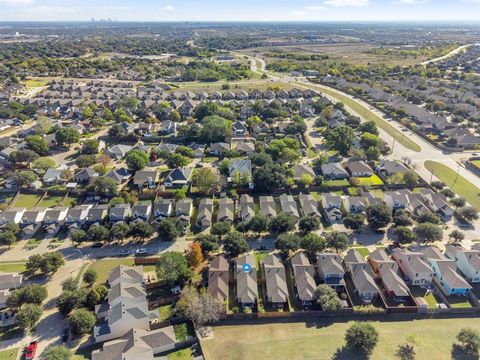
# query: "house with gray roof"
x,y
218,275
247,288
391,167
226,210
54,218
118,151
241,168
304,274
414,266
13,215
437,202
119,212
362,276
167,148
142,211
162,209
301,170
219,148
247,207
120,176
205,213
146,179
331,205
97,214
32,221
85,175
308,205
355,204
54,176
183,212
275,280
330,270
76,217
359,169
178,177
289,205
468,261
268,207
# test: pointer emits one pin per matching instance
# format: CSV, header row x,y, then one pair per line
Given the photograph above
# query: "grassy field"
x,y
14,266
462,187
27,201
324,340
103,267
362,251
184,354
368,181
165,312
50,201
369,115
476,163
10,354
31,83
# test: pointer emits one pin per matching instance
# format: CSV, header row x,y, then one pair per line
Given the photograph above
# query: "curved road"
x,y
450,54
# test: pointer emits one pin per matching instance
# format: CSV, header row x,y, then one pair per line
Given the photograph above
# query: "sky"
x,y
241,10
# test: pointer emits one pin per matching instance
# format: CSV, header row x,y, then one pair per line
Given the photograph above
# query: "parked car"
x,y
97,245
141,252
124,252
30,350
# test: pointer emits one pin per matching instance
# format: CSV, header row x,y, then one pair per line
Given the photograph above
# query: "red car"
x,y
30,350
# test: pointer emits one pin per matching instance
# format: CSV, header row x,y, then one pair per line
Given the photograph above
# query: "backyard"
x,y
13,266
433,339
27,201
10,354
462,186
104,266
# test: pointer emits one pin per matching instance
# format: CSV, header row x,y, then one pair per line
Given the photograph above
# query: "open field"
x,y
10,354
104,266
27,201
31,83
371,116
462,186
323,339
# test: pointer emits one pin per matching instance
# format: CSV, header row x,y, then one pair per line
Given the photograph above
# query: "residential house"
x,y
391,167
331,205
245,148
54,218
445,273
168,127
397,199
120,176
162,209
97,214
308,205
146,179
10,280
119,212
304,274
138,343
302,171
334,171
118,151
166,148
178,177
362,276
414,266
219,148
239,129
218,274
247,207
142,211
289,205
387,270
13,215
54,176
468,261
76,217
183,211
268,207
205,213
226,210
240,168
359,169
276,281
32,221
85,175
330,270
247,288
437,202
355,204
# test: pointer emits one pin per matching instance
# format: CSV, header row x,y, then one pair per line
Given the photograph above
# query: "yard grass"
x,y
324,339
209,159
431,300
10,354
165,312
378,193
362,250
31,83
104,266
184,354
343,182
13,266
369,181
368,115
462,186
27,201
181,331
457,302
50,201
259,256
476,163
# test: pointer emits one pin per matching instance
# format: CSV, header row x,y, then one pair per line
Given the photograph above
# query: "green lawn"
x,y
165,312
336,183
35,83
10,354
462,186
259,256
184,354
369,181
14,266
321,339
369,115
181,331
458,302
476,163
377,193
27,201
362,251
431,300
50,201
103,267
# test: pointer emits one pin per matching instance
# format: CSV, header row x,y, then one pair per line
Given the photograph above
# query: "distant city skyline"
x,y
245,10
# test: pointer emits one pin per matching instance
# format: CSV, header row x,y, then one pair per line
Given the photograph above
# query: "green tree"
x,y
30,294
70,300
98,233
38,144
469,340
199,306
362,337
43,164
177,160
90,147
312,243
29,315
90,277
51,262
7,238
404,234
81,322
220,229
456,236
205,180
204,110
378,216
406,352
235,244
282,223
368,127
327,298
69,284
141,230
79,236
103,185
466,214
215,129
410,178
287,242
259,223
337,240
136,160
354,221
67,136
428,232
24,156
172,267
341,139
369,140
307,224
208,242
84,161
169,229
119,231
96,296
57,353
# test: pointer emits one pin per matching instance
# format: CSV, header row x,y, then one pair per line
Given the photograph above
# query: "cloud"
x,y
16,2
340,3
410,2
115,7
168,8
297,12
315,8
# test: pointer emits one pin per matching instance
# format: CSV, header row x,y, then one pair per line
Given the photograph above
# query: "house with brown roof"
x,y
218,275
276,281
304,274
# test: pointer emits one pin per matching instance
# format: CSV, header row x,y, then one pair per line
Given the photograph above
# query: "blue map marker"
x,y
246,267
